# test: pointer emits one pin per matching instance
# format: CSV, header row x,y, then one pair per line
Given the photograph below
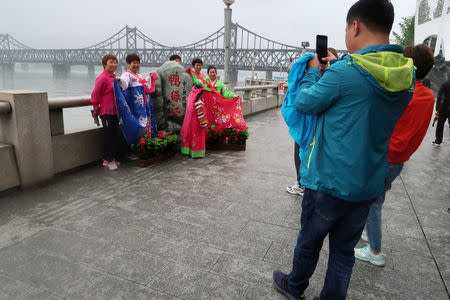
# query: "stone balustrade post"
x,y
56,121
246,95
27,128
263,93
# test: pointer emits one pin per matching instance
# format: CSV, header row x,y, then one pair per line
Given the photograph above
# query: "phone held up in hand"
x,y
321,47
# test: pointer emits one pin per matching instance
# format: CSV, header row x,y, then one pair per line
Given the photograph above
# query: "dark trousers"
x,y
443,116
343,221
297,161
110,136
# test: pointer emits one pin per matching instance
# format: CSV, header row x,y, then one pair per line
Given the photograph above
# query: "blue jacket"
x,y
300,125
358,102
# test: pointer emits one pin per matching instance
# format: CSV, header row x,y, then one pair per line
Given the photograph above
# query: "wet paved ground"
x,y
212,228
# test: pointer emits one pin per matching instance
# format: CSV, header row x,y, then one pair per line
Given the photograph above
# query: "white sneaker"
x,y
366,255
364,236
111,166
295,189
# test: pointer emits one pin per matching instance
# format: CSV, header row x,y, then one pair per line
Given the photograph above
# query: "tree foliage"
x,y
406,36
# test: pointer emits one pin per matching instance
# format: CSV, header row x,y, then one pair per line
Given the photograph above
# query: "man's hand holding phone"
x,y
314,63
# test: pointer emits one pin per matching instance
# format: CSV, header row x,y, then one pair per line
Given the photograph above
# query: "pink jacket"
x,y
103,94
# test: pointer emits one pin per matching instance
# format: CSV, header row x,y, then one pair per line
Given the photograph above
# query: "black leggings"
x,y
443,116
110,136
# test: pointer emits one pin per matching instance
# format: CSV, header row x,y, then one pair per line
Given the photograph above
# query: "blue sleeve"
x,y
317,94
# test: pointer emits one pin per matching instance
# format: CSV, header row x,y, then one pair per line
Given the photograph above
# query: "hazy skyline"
x,y
78,24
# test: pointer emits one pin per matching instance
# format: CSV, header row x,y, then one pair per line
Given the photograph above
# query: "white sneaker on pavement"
x,y
111,166
364,236
295,189
366,255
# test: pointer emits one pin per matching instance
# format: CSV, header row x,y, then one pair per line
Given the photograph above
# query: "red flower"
x,y
142,141
161,134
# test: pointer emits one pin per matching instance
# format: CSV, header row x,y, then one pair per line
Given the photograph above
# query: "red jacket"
x,y
412,126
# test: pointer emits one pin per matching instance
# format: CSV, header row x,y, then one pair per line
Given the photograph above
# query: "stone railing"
x,y
259,98
5,107
34,145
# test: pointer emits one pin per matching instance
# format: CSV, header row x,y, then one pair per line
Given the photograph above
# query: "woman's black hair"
x,y
210,68
197,61
174,56
132,57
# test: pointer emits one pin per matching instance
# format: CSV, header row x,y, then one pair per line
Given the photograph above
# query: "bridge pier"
x,y
61,70
91,70
8,67
122,68
7,75
233,77
269,75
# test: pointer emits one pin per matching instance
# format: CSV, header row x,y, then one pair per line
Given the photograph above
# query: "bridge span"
x,y
248,51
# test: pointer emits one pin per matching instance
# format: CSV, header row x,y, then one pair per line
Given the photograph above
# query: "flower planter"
x,y
236,147
143,163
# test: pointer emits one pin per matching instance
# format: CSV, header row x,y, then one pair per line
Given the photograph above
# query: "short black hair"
x,y
423,59
210,68
197,61
377,15
132,57
174,57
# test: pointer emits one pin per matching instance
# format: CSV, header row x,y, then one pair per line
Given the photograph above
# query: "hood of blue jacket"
x,y
385,67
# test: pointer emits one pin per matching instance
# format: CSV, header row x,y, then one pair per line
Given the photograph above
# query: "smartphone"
x,y
321,47
96,121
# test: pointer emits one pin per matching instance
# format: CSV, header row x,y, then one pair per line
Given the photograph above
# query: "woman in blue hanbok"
x,y
134,104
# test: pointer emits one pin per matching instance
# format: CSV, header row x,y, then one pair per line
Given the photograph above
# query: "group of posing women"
x,y
128,98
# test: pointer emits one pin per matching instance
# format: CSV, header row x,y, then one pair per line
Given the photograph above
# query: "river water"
x,y
39,77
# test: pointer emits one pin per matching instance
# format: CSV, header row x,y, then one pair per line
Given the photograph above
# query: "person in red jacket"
x,y
405,139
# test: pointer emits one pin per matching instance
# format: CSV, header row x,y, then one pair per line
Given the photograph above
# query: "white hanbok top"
x,y
128,79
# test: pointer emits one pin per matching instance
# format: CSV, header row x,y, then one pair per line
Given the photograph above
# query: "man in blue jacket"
x,y
358,102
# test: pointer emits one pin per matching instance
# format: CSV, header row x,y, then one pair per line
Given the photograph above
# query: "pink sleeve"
x,y
96,93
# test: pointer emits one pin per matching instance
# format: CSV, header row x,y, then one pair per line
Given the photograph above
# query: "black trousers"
x,y
110,136
297,161
443,116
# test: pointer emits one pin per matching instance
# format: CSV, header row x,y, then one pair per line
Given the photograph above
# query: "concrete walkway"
x,y
212,228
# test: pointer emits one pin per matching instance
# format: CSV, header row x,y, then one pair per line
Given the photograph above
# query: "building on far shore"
x,y
433,25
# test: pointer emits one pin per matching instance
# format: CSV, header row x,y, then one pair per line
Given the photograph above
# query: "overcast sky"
x,y
81,23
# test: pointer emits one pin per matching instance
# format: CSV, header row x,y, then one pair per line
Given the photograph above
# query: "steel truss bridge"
x,y
248,50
